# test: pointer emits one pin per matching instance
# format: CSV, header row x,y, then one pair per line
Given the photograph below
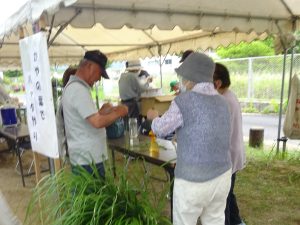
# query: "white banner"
x,y
291,125
39,99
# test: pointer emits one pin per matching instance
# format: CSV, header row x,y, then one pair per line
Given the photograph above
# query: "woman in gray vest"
x,y
201,119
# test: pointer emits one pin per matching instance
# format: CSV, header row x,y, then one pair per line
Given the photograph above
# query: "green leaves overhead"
x,y
242,50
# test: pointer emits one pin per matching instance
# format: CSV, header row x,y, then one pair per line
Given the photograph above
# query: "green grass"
x,y
267,189
83,199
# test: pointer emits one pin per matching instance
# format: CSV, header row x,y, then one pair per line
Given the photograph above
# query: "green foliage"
x,y
86,199
13,73
242,50
250,108
273,107
6,80
266,184
297,47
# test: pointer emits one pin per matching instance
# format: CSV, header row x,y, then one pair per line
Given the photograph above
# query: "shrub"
x,y
250,109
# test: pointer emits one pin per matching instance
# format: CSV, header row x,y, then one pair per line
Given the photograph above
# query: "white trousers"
x,y
206,200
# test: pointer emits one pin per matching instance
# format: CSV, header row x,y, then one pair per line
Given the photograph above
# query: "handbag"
x,y
116,129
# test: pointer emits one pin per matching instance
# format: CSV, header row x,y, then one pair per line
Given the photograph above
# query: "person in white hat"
x,y
200,116
130,88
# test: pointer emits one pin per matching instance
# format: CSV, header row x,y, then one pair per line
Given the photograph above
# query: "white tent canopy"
x,y
138,28
123,44
244,15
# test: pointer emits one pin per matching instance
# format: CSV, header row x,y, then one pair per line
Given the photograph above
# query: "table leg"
x,y
37,166
20,161
113,161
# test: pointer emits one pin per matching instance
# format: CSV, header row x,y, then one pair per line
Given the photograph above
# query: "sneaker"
x,y
242,223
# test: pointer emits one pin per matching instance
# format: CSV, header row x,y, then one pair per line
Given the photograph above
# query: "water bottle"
x,y
133,128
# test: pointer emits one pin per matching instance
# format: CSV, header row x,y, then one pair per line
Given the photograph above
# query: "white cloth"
x,y
237,148
6,215
206,200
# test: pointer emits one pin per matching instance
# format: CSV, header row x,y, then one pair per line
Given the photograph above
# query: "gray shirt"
x,y
130,86
86,144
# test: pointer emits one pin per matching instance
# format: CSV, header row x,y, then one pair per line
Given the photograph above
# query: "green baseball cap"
x,y
172,84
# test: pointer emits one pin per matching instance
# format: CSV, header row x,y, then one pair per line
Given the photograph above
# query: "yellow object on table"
x,y
154,148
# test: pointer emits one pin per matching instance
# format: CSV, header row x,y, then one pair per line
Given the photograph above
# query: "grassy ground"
x,y
268,189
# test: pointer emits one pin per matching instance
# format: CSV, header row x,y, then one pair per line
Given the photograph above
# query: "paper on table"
x,y
168,145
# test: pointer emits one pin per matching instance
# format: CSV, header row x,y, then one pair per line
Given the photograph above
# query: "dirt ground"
x,y
11,186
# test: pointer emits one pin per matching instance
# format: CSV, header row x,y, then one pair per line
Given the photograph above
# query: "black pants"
x,y
133,111
232,214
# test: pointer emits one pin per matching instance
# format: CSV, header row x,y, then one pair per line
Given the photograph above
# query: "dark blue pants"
x,y
232,213
99,166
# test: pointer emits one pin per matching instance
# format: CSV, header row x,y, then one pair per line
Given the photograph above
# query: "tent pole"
x,y
160,65
62,27
291,71
281,100
51,27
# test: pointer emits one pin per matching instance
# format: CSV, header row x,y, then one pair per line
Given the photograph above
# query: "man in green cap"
x,y
174,85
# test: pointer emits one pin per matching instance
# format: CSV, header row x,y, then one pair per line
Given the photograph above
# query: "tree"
x,y
297,46
242,50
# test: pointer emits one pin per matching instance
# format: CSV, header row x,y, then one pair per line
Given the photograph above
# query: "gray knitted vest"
x,y
203,140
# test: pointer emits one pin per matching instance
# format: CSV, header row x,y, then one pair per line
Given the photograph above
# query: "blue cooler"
x,y
9,116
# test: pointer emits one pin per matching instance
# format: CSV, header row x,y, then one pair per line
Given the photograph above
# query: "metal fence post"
x,y
281,101
250,79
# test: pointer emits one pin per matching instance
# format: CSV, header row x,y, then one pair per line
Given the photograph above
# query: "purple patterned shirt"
x,y
172,118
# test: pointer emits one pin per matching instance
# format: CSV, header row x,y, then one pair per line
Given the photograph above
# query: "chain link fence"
x,y
257,81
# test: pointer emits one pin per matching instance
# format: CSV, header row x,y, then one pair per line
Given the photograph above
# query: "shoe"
x,y
242,223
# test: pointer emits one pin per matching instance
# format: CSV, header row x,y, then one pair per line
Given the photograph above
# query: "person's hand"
x,y
122,110
106,109
152,114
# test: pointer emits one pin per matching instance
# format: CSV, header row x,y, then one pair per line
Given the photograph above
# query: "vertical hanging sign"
x,y
39,98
